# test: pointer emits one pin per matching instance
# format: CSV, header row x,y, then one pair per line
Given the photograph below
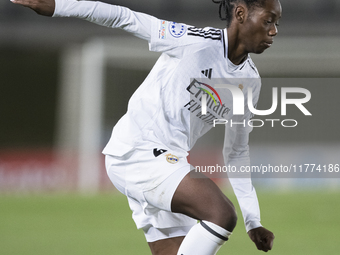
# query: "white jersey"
x,y
166,108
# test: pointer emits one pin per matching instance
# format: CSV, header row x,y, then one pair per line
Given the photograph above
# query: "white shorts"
x,y
149,182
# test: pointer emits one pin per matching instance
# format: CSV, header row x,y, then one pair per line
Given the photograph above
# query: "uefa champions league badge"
x,y
177,30
172,159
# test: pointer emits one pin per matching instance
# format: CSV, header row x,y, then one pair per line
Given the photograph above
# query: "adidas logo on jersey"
x,y
207,72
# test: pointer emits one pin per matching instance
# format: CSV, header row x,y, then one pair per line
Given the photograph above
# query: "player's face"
x,y
260,27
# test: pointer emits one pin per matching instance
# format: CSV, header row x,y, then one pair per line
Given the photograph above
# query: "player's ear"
x,y
240,13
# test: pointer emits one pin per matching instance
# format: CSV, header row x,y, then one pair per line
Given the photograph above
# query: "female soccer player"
x,y
146,155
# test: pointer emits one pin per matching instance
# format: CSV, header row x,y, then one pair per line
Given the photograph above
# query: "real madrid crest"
x,y
172,159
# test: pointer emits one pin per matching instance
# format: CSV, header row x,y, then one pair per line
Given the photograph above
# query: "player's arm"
x,y
236,153
100,13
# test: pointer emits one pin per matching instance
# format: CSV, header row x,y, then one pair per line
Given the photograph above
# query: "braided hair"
x,y
226,7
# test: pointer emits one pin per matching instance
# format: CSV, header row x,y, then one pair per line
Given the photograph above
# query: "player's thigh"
x,y
167,246
202,199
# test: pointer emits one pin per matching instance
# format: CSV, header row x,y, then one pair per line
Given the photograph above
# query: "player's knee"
x,y
226,217
232,219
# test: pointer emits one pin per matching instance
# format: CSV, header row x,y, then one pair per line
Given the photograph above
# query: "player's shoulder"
x,y
179,39
206,40
189,33
206,33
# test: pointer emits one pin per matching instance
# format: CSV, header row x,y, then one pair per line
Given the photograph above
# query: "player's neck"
x,y
236,50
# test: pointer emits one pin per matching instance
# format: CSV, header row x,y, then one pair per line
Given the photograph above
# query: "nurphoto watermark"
x,y
220,102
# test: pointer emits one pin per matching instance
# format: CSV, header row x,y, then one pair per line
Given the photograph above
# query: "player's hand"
x,y
42,7
262,238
